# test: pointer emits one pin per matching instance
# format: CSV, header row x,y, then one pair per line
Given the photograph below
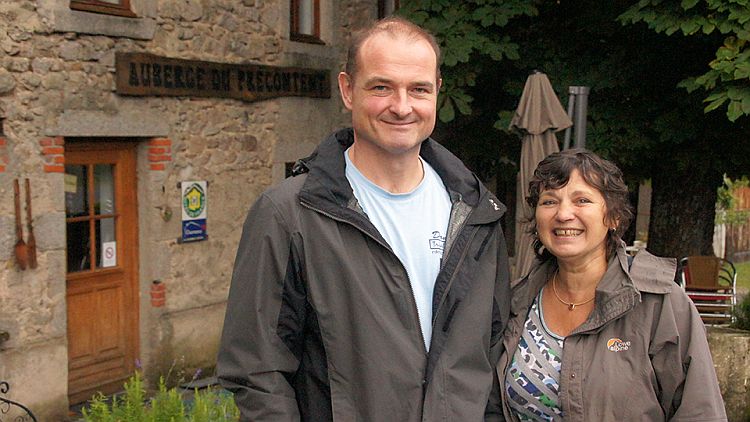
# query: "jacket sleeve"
x,y
683,364
500,315
263,322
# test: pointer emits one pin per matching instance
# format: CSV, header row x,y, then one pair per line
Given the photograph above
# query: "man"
x,y
373,285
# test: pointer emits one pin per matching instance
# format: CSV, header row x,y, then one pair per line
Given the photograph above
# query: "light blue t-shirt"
x,y
414,224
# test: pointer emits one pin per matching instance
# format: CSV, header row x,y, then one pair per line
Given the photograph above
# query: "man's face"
x,y
393,95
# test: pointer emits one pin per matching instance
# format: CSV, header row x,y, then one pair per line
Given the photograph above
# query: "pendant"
x,y
571,306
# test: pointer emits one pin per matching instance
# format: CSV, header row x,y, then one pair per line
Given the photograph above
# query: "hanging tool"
x,y
20,247
31,241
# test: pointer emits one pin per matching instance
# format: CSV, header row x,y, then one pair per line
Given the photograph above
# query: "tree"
x,y
728,80
638,116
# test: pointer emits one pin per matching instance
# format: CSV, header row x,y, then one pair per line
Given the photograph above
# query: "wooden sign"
x,y
142,74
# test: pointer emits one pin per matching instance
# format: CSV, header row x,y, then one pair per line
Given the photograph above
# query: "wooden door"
x,y
102,268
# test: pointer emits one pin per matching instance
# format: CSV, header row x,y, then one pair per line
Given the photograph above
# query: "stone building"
x,y
146,129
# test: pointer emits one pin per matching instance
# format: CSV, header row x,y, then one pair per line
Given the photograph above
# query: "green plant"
x,y
743,275
726,202
742,314
167,405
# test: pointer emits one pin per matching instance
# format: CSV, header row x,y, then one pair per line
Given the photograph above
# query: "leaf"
x,y
689,27
463,106
734,111
447,113
708,28
714,105
689,4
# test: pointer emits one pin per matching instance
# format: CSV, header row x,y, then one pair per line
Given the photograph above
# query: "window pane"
x,y
78,246
76,191
306,17
106,251
104,189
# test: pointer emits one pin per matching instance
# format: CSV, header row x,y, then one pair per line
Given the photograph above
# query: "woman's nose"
x,y
565,211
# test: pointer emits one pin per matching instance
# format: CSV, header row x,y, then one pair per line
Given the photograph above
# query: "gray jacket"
x,y
321,322
662,369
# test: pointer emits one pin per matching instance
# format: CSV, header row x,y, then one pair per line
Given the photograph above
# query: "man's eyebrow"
x,y
381,80
376,80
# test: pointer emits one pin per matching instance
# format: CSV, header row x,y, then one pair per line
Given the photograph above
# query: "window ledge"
x,y
323,51
65,20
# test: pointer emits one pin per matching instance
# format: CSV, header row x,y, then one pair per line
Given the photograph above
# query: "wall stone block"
x,y
19,64
49,223
7,237
7,82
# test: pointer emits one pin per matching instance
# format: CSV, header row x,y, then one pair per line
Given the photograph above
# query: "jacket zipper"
x,y
388,248
449,247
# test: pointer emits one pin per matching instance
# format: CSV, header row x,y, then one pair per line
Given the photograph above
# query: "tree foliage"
x,y
728,79
639,116
465,30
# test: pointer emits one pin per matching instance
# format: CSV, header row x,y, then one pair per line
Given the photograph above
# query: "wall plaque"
x,y
143,74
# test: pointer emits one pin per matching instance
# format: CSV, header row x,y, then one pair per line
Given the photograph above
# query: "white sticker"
x,y
71,183
109,254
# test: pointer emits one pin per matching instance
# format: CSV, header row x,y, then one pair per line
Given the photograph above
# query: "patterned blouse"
x,y
532,382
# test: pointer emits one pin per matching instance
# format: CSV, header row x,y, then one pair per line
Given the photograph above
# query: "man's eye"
x,y
421,90
379,88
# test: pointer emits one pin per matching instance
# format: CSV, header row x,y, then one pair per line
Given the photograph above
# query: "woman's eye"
x,y
584,201
546,202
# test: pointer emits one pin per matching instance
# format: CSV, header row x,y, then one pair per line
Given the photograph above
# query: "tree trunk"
x,y
682,210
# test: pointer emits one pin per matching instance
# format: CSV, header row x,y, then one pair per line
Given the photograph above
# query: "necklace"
x,y
571,305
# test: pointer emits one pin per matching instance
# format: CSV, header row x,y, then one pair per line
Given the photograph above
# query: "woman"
x,y
594,335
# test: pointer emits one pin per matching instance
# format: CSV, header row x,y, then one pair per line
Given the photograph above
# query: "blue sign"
x,y
194,230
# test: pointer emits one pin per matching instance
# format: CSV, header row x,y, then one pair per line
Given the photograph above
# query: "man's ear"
x,y
439,84
346,86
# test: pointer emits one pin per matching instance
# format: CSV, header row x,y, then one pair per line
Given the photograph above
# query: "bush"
x,y
742,314
168,405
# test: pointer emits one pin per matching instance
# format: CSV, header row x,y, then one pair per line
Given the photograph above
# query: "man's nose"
x,y
401,104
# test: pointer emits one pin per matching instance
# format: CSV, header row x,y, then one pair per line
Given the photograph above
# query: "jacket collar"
x,y
617,293
327,186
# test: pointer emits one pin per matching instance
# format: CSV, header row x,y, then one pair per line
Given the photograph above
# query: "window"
x,y
305,21
387,7
109,7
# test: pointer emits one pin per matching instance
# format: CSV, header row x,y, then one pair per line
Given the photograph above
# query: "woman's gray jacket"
x,y
642,354
321,322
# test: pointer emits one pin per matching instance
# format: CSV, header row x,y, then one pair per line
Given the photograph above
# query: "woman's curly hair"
x,y
554,172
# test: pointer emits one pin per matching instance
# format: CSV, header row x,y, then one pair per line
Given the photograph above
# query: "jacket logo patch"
x,y
437,243
617,345
494,205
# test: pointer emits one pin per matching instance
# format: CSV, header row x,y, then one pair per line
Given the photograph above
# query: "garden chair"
x,y
710,282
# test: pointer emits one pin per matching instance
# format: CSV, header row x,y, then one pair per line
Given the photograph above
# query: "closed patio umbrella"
x,y
538,116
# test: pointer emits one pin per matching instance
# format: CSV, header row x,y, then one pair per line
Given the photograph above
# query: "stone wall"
x,y
731,353
57,83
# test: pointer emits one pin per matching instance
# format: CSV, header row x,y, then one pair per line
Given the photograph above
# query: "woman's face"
x,y
570,221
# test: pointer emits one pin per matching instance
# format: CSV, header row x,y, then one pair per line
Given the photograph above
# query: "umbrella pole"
x,y
578,102
571,105
582,92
